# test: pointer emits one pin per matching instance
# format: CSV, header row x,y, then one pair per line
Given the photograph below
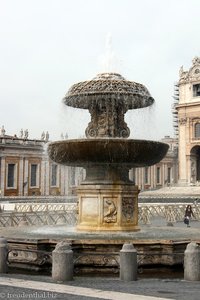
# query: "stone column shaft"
x,y
128,263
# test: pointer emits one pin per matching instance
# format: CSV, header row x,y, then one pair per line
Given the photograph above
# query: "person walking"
x,y
188,214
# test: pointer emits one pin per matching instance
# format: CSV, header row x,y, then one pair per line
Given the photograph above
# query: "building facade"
x,y
26,170
164,173
189,124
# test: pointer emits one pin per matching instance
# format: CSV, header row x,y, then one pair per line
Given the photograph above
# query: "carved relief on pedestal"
x,y
109,211
127,209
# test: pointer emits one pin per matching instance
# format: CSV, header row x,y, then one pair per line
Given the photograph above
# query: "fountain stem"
x,y
107,118
107,174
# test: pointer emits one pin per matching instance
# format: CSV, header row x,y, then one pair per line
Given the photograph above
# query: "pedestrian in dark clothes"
x,y
188,214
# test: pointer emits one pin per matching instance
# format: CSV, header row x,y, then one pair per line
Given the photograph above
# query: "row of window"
x,y
34,175
158,175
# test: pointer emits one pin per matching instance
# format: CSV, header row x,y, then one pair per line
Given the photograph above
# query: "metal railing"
x,y
59,213
170,212
38,218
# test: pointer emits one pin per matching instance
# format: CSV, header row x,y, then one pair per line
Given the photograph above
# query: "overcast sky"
x,y
48,45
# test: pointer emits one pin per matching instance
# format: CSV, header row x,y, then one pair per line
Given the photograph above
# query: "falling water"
x,y
73,121
142,122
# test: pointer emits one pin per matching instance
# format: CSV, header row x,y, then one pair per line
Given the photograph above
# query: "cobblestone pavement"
x,y
92,288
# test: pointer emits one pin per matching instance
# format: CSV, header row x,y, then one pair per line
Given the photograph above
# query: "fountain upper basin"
x,y
107,151
108,87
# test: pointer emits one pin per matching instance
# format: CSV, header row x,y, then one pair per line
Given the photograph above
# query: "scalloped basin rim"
x,y
107,151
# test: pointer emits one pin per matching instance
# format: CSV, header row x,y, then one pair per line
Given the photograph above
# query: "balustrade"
x,y
66,213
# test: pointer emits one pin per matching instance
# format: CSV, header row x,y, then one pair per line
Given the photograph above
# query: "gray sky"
x,y
48,45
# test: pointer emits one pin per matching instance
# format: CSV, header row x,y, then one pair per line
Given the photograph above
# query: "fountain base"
x,y
30,247
108,207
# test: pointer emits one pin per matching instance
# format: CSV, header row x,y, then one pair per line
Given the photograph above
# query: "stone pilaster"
x,y
3,175
21,176
47,177
43,177
26,177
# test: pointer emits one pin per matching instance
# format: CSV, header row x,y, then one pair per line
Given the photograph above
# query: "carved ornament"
x,y
182,121
128,209
110,211
193,74
107,120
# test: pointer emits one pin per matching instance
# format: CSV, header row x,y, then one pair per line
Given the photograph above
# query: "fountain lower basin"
x,y
107,151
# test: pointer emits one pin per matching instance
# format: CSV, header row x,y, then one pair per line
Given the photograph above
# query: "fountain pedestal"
x,y
108,207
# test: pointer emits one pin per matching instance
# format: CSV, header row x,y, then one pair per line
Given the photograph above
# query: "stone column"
x,y
62,180
182,149
62,262
163,175
47,177
43,177
3,175
65,178
26,177
192,262
155,176
21,176
128,263
131,175
3,256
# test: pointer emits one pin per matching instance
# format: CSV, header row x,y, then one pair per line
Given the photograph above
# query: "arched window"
x,y
197,130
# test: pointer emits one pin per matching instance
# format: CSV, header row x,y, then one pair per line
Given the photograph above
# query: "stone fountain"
x,y
108,199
